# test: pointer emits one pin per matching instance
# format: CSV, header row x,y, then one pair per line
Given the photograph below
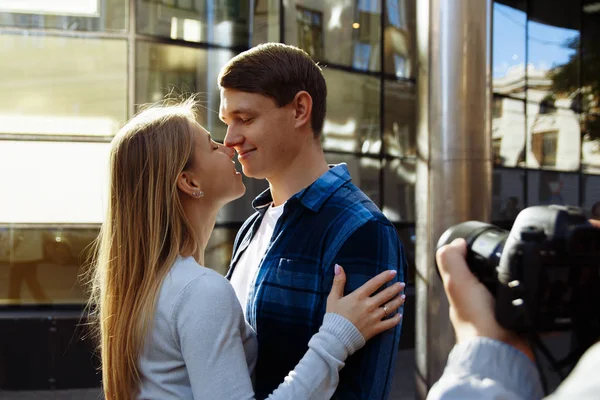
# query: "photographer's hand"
x,y
471,304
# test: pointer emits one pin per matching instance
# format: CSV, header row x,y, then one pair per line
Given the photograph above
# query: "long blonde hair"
x,y
144,232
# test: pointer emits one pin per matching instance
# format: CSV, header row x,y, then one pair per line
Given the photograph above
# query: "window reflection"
x,y
590,148
364,172
399,131
591,195
550,187
48,93
508,131
399,178
225,23
400,38
265,25
507,194
408,238
590,88
352,122
553,139
336,31
508,48
219,249
310,31
70,180
165,69
42,265
552,43
69,15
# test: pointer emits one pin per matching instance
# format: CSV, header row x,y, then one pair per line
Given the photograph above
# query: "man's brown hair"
x,y
278,71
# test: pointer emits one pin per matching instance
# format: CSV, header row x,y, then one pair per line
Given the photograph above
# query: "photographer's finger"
x,y
375,283
451,258
388,293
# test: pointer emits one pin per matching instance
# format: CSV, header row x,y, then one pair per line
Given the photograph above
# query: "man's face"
x,y
260,132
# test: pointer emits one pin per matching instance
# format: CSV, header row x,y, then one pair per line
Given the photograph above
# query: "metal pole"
x,y
454,166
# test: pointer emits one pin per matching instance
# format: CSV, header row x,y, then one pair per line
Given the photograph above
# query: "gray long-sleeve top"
x,y
483,368
200,347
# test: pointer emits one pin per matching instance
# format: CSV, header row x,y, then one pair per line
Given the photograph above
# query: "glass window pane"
x,y
40,265
53,182
553,56
550,187
336,32
553,138
408,238
590,62
51,93
219,249
590,147
265,26
508,194
70,15
508,131
163,69
224,23
364,172
399,130
508,49
352,121
400,39
591,195
399,177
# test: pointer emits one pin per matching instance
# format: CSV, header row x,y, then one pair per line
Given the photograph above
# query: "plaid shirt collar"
x,y
314,196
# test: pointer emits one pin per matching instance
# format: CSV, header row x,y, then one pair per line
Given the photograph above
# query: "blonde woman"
x,y
171,328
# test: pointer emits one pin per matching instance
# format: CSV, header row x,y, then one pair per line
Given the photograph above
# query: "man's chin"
x,y
253,173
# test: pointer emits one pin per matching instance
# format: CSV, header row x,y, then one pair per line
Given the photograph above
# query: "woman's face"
x,y
213,169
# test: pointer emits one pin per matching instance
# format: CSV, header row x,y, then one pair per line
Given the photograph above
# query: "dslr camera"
x,y
544,273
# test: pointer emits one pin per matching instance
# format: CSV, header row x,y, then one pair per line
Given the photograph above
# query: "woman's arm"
x,y
209,325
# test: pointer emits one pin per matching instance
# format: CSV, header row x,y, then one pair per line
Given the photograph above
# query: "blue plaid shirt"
x,y
329,222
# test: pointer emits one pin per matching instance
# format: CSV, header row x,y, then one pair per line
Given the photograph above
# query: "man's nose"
x,y
232,138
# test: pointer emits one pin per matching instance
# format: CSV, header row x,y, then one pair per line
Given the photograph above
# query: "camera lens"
x,y
484,248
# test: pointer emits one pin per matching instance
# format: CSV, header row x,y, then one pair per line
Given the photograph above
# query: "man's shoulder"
x,y
349,202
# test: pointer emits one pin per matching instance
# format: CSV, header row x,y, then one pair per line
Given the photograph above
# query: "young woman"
x,y
171,328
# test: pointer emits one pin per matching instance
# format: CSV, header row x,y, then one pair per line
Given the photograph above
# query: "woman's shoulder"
x,y
189,281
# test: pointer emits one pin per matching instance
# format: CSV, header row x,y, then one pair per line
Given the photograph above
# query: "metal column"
x,y
454,148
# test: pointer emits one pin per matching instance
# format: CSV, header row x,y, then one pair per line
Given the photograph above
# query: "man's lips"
x,y
244,154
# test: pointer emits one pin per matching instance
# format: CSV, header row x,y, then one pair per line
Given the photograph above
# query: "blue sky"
x,y
546,43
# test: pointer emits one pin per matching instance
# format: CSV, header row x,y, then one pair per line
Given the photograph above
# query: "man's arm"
x,y
371,249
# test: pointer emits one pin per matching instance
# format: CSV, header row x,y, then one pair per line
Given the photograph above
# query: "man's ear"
x,y
302,109
187,185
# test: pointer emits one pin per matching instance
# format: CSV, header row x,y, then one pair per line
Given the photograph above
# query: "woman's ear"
x,y
187,185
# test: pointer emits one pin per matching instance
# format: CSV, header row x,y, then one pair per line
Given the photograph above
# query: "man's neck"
x,y
303,170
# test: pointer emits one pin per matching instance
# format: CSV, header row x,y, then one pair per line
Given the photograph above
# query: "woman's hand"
x,y
365,312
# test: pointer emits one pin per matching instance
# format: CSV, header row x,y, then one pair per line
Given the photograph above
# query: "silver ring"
x,y
385,311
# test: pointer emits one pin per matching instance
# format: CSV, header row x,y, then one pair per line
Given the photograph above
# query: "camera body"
x,y
544,273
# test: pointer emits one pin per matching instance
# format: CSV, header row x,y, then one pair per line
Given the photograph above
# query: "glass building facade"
x,y
73,72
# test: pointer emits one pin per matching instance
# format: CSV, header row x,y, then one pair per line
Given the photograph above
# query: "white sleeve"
x,y
208,324
482,369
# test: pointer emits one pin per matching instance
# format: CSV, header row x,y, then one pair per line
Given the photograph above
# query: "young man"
x,y
311,217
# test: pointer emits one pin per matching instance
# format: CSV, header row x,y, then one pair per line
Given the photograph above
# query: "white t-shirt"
x,y
244,275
